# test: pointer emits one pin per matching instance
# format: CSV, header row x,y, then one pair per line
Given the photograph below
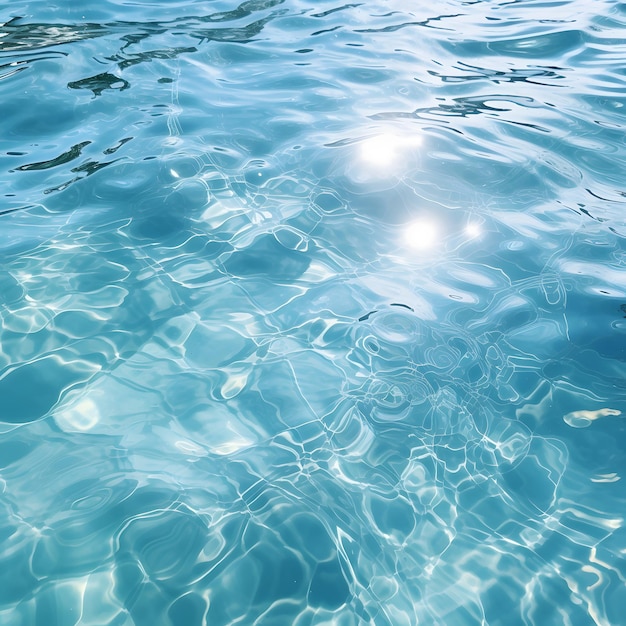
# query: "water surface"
x,y
312,313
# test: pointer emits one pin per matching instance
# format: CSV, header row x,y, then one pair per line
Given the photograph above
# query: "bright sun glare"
x,y
472,230
422,234
387,149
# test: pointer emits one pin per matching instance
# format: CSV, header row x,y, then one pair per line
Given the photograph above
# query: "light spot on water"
x,y
82,416
582,419
473,230
423,234
233,385
606,478
190,448
230,447
387,150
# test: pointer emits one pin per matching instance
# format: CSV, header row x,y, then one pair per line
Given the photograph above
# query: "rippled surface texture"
x,y
312,313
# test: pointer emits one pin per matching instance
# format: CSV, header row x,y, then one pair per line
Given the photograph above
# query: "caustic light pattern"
x,y
312,314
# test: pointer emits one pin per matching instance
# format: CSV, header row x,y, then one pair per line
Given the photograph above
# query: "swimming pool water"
x,y
312,313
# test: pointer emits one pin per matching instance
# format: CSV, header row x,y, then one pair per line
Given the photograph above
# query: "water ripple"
x,y
312,314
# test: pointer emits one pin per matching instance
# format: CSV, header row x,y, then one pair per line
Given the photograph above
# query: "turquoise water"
x,y
312,313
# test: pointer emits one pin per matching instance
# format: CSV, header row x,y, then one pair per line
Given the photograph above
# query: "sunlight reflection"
x,y
473,230
433,233
422,234
387,149
583,418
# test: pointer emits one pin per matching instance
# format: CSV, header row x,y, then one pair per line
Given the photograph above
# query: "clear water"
x,y
312,313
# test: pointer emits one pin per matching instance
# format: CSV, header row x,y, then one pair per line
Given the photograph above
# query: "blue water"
x,y
312,313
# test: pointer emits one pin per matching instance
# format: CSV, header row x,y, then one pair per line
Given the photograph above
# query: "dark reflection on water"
x,y
73,153
20,36
463,107
473,72
99,83
24,60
